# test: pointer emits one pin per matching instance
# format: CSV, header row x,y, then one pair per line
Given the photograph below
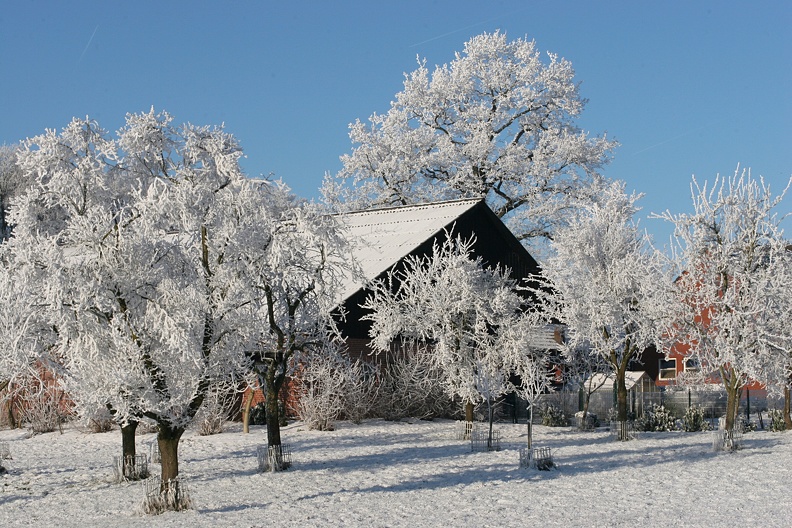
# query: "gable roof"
x,y
605,382
382,237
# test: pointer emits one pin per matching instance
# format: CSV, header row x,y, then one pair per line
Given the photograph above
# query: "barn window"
x,y
668,369
692,365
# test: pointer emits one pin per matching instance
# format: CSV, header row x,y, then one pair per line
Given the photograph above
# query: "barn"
x,y
383,238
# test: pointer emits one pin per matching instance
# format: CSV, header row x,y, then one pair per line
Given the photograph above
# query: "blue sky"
x,y
686,87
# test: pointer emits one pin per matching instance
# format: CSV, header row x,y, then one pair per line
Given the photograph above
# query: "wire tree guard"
x,y
725,440
130,467
540,458
622,431
480,440
464,430
274,458
155,456
171,495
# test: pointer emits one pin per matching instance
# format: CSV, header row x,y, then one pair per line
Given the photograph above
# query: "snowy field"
x,y
399,474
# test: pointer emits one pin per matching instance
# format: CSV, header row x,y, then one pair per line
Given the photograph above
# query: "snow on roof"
x,y
544,338
607,381
382,237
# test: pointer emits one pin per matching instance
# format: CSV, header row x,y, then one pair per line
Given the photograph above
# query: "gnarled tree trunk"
x,y
273,378
128,450
273,417
128,439
168,442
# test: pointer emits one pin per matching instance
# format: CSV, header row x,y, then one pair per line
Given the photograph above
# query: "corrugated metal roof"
x,y
382,237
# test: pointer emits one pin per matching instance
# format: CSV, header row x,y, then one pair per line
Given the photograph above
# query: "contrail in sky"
x,y
464,28
683,134
89,43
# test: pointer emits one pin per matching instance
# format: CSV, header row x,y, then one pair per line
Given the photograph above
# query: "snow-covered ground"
x,y
401,474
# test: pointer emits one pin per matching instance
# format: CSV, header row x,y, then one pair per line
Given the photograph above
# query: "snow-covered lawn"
x,y
409,474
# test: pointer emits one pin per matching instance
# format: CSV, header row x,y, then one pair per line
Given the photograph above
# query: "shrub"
x,y
411,386
100,425
777,423
332,387
552,416
360,391
97,420
613,415
746,426
258,414
694,420
216,409
46,410
656,418
592,420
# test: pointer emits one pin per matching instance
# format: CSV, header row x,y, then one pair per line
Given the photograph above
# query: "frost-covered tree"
x,y
74,211
497,122
149,238
778,376
585,370
473,318
26,335
732,286
295,278
12,183
609,281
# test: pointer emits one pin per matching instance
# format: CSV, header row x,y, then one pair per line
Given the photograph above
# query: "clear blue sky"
x,y
686,87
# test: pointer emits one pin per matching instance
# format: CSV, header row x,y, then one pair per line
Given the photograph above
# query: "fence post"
x,y
748,404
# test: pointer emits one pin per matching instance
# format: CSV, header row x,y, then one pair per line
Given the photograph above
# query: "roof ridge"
x,y
411,206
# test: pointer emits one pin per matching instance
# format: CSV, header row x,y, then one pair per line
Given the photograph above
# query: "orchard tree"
x,y
585,370
497,122
732,291
76,210
148,238
472,317
610,284
294,279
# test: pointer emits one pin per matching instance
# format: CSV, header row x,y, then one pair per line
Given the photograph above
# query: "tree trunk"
x,y
468,411
621,394
468,420
584,418
128,439
490,413
129,469
12,422
246,411
168,441
732,399
787,405
530,426
271,406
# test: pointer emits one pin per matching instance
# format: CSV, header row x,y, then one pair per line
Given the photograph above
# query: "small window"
x,y
668,369
692,365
